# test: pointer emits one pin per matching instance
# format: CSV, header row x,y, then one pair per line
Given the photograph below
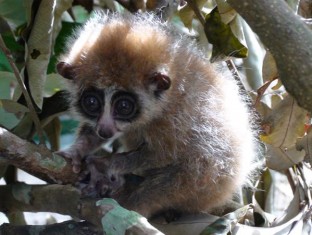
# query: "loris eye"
x,y
91,104
124,107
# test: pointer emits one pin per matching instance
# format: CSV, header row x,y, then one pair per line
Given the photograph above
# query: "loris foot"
x,y
103,183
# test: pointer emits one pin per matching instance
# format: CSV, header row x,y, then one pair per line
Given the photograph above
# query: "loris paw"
x,y
75,157
103,182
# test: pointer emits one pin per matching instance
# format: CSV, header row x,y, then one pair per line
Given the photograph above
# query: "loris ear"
x,y
66,70
159,82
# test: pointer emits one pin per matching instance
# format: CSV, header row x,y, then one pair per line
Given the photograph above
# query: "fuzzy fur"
x,y
200,142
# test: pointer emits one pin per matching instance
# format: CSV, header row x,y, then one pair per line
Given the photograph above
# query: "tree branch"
x,y
48,198
68,227
35,159
65,199
288,39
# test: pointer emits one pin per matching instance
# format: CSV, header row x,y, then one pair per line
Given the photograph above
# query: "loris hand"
x,y
75,157
103,182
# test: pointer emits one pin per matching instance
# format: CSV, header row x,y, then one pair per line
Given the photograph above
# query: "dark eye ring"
x,y
124,107
91,104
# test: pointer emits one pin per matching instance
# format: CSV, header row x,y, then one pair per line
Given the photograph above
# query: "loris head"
x,y
118,72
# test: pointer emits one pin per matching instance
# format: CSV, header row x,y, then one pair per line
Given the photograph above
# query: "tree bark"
x,y
35,159
65,199
288,39
68,227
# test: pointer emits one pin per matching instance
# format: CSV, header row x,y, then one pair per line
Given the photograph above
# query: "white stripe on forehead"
x,y
108,94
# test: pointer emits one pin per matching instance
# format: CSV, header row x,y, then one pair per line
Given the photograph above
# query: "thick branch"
x,y
62,199
288,39
65,199
68,227
35,159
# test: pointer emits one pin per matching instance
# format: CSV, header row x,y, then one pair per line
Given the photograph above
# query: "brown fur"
x,y
199,142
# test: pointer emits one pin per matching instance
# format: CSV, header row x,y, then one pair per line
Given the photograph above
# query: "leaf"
x,y
186,225
8,120
52,107
7,81
295,225
305,143
39,46
53,84
220,35
13,107
227,13
286,124
269,69
127,220
281,159
45,28
13,11
25,128
261,218
223,225
220,226
254,61
16,50
283,126
292,210
187,14
261,194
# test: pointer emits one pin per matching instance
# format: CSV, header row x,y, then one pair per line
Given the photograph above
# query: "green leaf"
x,y
12,106
39,50
7,80
53,84
220,35
13,11
16,49
25,127
125,218
8,120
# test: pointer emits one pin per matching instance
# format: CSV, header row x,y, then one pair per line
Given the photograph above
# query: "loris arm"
x,y
107,174
86,143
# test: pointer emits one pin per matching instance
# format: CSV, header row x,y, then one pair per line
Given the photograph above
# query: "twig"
x,y
28,100
230,64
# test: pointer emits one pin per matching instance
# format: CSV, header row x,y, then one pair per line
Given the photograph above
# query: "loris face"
x,y
118,74
110,109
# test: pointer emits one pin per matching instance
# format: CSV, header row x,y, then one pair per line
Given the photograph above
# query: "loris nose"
x,y
105,133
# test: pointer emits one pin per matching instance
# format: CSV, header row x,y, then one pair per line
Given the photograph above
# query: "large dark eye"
x,y
124,107
91,104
